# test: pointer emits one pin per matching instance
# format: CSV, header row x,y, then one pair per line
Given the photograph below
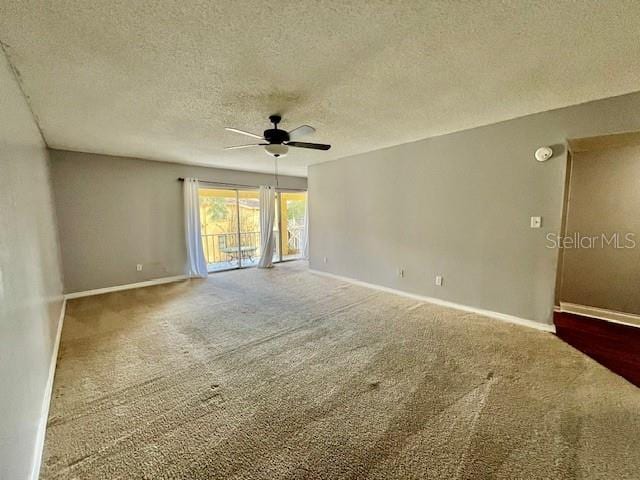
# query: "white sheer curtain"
x,y
267,219
196,263
305,231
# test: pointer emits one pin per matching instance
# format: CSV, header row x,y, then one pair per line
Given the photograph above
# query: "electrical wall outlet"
x,y
325,259
401,272
439,280
139,267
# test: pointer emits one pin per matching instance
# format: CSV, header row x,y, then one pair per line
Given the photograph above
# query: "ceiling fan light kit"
x,y
277,140
276,150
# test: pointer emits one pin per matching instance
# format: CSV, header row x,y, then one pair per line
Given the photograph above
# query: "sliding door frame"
x,y
236,188
280,221
238,229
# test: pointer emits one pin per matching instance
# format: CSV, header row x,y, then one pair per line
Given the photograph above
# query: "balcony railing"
x,y
295,238
221,249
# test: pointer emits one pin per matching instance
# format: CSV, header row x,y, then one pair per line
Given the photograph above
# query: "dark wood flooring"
x,y
615,346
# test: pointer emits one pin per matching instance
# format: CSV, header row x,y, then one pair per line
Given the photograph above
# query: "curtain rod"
x,y
240,185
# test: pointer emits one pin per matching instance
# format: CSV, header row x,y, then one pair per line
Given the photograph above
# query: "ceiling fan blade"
x,y
234,147
315,146
242,132
301,131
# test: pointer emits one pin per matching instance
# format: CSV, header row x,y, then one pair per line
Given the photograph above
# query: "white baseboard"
x,y
46,401
602,314
487,313
129,286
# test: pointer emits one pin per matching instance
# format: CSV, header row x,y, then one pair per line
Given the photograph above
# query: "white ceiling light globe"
x,y
277,150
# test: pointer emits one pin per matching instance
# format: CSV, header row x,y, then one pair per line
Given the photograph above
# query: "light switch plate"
x,y
536,222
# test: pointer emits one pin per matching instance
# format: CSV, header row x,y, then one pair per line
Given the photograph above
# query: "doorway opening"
x,y
597,306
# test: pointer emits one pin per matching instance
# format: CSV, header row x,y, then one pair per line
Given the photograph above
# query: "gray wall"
x,y
30,280
116,212
457,205
604,197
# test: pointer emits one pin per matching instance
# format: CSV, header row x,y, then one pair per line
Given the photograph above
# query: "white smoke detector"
x,y
543,154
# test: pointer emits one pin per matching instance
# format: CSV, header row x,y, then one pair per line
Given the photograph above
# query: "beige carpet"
x,y
284,374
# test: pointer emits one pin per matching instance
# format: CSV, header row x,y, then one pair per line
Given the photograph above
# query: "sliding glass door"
x,y
249,208
230,226
292,211
276,232
219,227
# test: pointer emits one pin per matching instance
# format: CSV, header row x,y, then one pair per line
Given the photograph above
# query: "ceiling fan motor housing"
x,y
275,135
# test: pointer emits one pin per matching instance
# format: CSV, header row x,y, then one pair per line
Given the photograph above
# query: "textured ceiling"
x,y
160,79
